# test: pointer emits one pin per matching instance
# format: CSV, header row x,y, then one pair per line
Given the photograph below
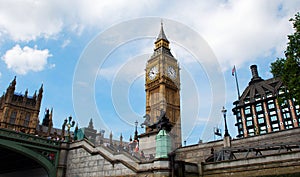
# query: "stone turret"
x,y
91,125
25,97
10,90
18,111
47,121
40,96
121,140
110,138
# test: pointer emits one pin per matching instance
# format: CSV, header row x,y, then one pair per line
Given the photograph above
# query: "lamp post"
x,y
69,123
224,114
136,132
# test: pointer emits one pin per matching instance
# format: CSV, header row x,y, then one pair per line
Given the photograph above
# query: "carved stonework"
x,y
18,111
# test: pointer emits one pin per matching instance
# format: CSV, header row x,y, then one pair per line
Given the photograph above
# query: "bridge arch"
x,y
42,151
26,151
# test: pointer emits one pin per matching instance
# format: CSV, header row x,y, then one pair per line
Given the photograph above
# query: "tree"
x,y
288,68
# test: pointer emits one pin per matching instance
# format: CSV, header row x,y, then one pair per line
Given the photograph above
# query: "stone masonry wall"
x,y
284,164
82,164
198,153
84,160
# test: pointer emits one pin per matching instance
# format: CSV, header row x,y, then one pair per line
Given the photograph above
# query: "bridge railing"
x,y
13,135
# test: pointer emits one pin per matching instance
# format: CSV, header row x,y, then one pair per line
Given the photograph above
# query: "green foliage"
x,y
288,68
277,67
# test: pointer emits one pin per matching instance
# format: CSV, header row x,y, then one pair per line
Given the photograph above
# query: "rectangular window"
x,y
285,109
261,121
247,110
297,110
251,132
284,104
249,123
246,101
275,127
272,113
263,132
258,107
13,117
249,118
271,104
263,128
281,92
260,116
241,132
269,95
273,118
287,123
27,120
286,115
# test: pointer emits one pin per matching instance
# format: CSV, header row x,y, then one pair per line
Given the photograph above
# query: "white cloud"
x,y
51,66
23,60
237,31
28,20
65,43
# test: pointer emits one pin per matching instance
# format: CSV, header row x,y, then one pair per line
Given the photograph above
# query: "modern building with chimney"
x,y
259,111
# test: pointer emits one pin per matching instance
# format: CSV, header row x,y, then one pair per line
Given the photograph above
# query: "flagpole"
x,y
237,83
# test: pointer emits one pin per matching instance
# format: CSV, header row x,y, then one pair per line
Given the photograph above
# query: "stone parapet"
x,y
200,152
276,164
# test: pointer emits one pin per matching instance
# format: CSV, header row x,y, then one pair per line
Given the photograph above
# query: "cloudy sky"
x,y
91,55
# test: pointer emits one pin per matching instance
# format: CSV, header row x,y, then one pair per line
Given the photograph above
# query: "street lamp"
x,y
69,123
226,129
136,132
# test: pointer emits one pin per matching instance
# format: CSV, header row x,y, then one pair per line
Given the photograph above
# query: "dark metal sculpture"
x,y
163,122
147,121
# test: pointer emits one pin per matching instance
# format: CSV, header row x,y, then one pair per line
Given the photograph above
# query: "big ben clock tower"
x,y
162,87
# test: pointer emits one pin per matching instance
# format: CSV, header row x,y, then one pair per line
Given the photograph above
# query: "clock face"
x,y
171,72
153,72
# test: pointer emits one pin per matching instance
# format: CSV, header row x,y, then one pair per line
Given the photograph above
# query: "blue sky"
x,y
91,56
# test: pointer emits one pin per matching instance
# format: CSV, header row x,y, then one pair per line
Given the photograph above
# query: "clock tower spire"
x,y
162,36
163,88
162,43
